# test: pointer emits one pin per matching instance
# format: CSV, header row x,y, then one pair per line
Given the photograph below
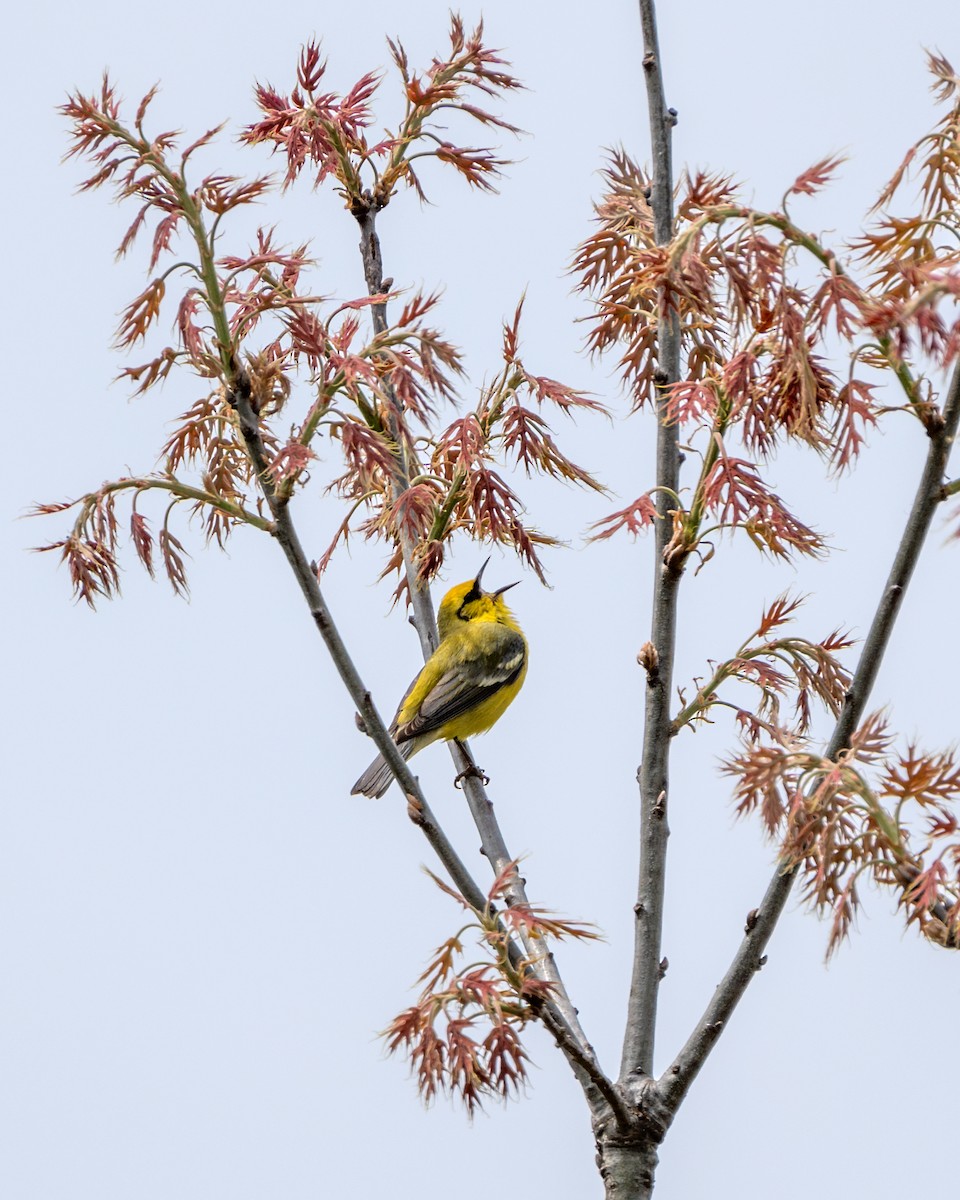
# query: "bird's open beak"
x,y
499,592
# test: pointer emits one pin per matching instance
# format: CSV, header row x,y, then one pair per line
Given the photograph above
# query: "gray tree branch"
x,y
653,776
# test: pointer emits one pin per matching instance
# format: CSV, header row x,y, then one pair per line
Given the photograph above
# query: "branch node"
x,y
664,966
751,923
761,961
932,418
649,658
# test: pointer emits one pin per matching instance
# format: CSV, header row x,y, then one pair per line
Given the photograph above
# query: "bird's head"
x,y
469,602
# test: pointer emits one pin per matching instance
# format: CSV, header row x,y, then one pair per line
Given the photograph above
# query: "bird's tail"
x,y
377,777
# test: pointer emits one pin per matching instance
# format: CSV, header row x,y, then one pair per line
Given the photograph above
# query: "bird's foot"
x,y
472,772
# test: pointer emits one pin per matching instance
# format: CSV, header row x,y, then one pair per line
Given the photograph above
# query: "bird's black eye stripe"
x,y
473,595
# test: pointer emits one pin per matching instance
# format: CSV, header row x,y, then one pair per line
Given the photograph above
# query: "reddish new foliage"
x,y
779,667
634,518
247,323
463,1035
332,379
327,130
733,492
879,813
754,330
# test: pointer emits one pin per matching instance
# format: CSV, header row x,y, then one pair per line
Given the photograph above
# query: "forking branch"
x,y
718,335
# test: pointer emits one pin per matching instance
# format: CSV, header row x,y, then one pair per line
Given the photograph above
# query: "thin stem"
x,y
911,386
495,850
182,491
638,1045
703,700
320,408
676,1081
691,526
599,1090
420,599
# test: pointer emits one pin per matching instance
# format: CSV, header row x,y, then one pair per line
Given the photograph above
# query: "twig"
x,y
585,1067
496,852
638,1045
676,1081
423,616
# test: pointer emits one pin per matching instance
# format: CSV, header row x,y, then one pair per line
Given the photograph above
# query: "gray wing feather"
x,y
453,694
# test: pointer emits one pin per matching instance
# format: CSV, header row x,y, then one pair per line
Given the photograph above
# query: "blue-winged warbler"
x,y
465,685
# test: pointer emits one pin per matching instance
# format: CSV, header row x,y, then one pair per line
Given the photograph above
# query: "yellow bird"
x,y
467,683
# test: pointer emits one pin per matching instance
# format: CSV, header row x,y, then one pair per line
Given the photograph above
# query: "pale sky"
x,y
201,932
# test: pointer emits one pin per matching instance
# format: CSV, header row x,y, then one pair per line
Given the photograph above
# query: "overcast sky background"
x,y
200,931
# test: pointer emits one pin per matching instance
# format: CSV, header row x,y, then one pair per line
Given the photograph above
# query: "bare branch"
x,y
637,1058
420,600
496,852
599,1090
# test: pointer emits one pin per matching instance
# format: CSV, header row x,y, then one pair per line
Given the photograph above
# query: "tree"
x,y
767,340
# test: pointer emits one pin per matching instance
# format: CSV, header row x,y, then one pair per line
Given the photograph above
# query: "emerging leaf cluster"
x,y
877,812
761,302
777,667
462,1036
252,327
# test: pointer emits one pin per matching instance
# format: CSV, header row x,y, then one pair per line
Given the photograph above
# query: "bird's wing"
x,y
470,680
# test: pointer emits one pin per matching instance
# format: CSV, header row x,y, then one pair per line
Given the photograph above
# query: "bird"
x,y
465,686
